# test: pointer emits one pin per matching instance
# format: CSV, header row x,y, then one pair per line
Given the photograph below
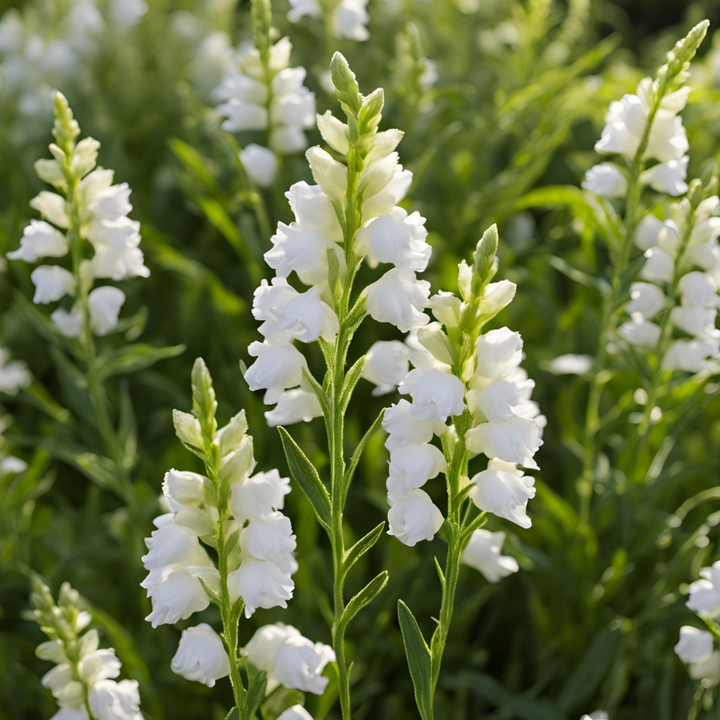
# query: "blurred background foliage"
x,y
522,89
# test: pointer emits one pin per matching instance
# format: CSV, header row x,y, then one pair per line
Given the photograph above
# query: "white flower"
x,y
52,207
128,12
694,645
104,304
314,211
261,584
606,180
185,488
14,374
396,238
268,538
295,250
705,593
648,232
170,543
69,713
658,267
707,670
404,428
411,466
496,401
350,20
386,364
498,353
294,406
389,196
496,296
258,496
40,240
483,554
694,320
640,332
504,491
668,177
59,681
260,163
414,518
277,368
201,656
51,283
514,441
700,289
68,324
571,364
264,645
110,700
689,355
242,115
646,299
11,465
329,174
299,664
436,395
398,298
296,712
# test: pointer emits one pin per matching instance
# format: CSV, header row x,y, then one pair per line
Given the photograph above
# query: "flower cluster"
x,y
323,253
14,374
483,387
348,18
265,93
83,679
696,648
86,206
261,551
289,659
682,259
626,131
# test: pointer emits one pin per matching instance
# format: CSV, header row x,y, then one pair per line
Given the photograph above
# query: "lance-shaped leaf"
x,y
362,546
255,695
132,358
355,459
419,660
364,597
307,477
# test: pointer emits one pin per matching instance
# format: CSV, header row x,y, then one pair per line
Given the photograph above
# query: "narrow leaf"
x,y
132,358
255,695
364,597
306,476
350,472
362,546
419,660
351,380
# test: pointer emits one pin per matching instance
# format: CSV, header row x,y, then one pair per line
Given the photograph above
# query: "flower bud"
x,y
185,488
333,132
329,174
187,428
496,296
104,304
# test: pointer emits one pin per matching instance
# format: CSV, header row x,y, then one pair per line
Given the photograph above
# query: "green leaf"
x,y
352,466
74,383
362,546
364,597
320,393
255,694
419,660
132,358
351,380
193,162
127,428
306,476
101,470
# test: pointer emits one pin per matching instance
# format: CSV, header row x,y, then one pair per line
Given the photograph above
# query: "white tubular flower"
x,y
104,304
640,332
110,700
694,320
277,368
483,552
513,441
40,240
51,283
414,518
259,496
261,584
411,466
299,664
646,300
396,238
294,406
268,538
386,364
571,364
504,491
498,353
436,395
668,177
387,198
404,428
265,644
68,324
348,20
658,267
707,670
496,296
694,645
690,355
606,180
295,250
699,289
705,593
68,713
296,712
184,488
14,374
201,656
496,401
260,163
398,298
314,211
171,543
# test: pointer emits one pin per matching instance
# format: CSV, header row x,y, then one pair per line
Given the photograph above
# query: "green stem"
x,y
694,711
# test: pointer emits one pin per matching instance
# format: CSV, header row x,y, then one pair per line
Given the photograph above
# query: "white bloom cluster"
x,y
696,647
671,248
348,17
307,246
272,99
84,675
490,389
87,206
14,374
261,560
625,126
290,660
51,47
